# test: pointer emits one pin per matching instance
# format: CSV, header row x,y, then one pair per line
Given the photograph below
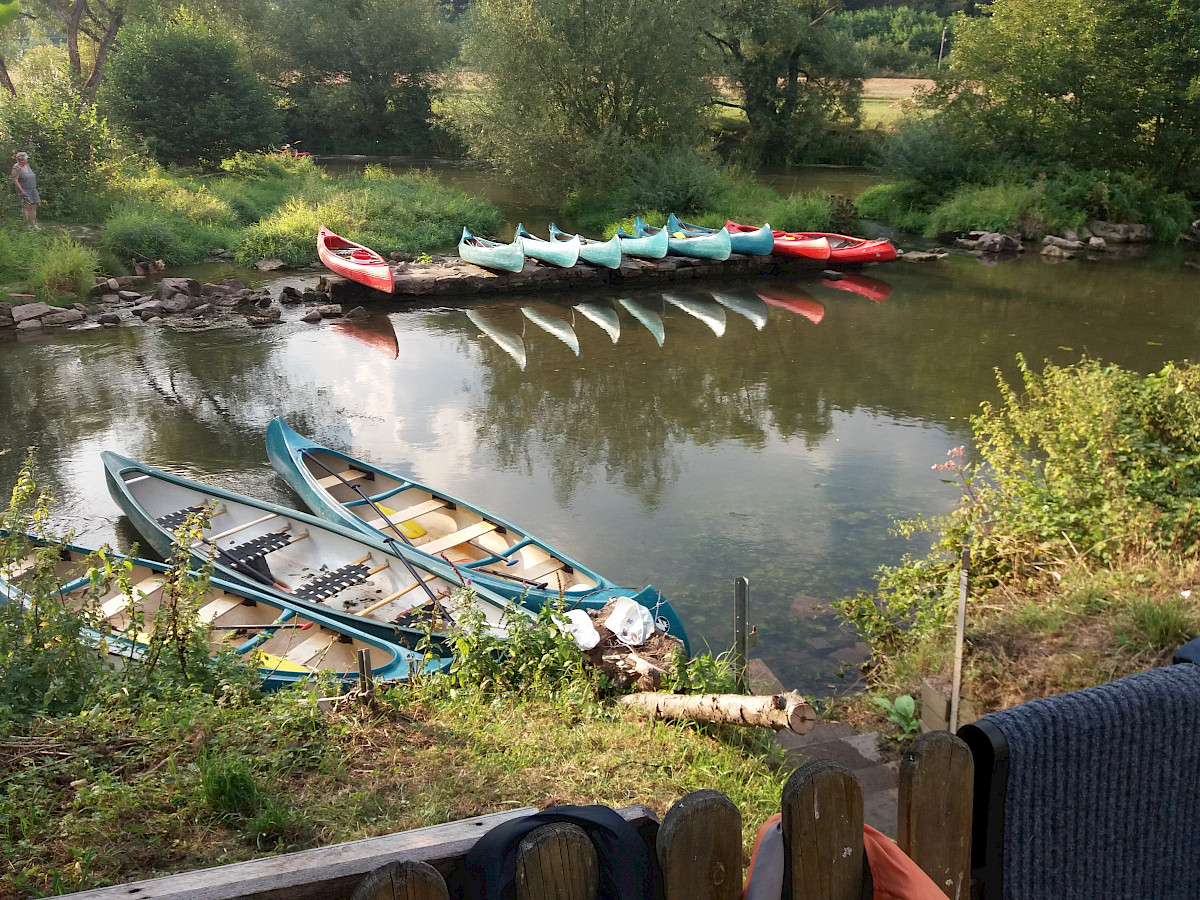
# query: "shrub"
x,y
139,231
63,267
802,212
996,207
904,205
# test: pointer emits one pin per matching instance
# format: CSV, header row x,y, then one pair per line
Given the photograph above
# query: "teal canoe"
x,y
760,242
315,566
598,253
491,254
557,253
700,246
288,647
494,553
646,246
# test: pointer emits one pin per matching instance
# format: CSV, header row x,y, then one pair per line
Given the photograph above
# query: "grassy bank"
x,y
1079,505
194,767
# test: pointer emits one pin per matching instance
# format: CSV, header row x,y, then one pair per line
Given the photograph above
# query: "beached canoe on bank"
x,y
557,253
490,550
377,585
751,241
844,250
491,254
698,246
787,244
644,246
354,261
598,253
287,647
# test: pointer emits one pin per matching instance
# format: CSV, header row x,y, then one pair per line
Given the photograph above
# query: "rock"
x,y
30,325
1070,234
330,311
1097,244
312,317
233,284
1140,234
148,309
998,242
269,265
290,294
315,297
273,312
261,321
921,256
6,322
29,311
109,318
204,309
263,302
128,295
169,286
127,280
63,317
357,313
6,309
1063,243
966,243
22,298
1116,233
179,303
1053,251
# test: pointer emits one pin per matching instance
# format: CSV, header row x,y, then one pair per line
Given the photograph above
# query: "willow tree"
x,y
560,89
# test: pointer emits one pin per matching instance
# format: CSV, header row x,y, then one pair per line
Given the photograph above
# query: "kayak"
x,y
556,253
494,553
491,254
700,246
843,249
354,261
598,253
312,565
287,647
786,244
646,246
751,241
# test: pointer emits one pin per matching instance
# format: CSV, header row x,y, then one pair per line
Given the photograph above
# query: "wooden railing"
x,y
698,844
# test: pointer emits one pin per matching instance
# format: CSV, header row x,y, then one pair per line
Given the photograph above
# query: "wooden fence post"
x,y
406,880
700,848
822,833
937,783
557,862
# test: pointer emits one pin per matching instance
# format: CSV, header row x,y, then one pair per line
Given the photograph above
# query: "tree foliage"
x,y
186,90
567,86
798,74
1090,82
356,75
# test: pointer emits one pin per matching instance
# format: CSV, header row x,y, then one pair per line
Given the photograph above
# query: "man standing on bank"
x,y
26,185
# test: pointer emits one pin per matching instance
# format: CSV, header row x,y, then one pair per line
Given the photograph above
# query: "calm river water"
x,y
775,434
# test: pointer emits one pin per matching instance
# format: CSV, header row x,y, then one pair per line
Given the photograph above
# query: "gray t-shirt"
x,y
28,182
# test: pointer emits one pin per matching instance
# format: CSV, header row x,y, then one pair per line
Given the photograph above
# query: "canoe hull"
x,y
844,250
294,458
557,253
750,241
491,254
701,246
647,246
354,261
599,253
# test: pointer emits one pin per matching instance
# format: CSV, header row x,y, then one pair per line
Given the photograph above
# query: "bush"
x,y
997,207
802,212
140,231
63,267
904,205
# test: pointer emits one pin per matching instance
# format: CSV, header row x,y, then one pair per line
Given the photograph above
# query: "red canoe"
x,y
843,249
814,247
857,283
794,300
354,261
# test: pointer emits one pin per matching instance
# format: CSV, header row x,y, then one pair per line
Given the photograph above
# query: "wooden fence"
x,y
698,844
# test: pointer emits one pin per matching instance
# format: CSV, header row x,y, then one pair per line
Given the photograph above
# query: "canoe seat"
x,y
210,612
347,477
256,548
310,652
417,509
171,521
458,537
329,584
544,568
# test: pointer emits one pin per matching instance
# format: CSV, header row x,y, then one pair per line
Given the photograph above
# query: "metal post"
x,y
741,595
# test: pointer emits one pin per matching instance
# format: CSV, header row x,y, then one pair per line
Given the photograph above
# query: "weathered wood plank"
x,y
407,880
822,833
700,848
324,873
937,780
557,862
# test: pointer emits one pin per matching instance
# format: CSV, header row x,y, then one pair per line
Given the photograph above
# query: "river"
x,y
758,429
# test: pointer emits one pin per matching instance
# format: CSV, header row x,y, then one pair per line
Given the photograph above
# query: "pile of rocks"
x,y
1098,237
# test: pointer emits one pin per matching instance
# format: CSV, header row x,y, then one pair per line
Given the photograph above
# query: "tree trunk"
x,y
778,711
5,80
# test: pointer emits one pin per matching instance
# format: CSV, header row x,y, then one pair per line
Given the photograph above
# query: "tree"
x,y
188,92
797,73
566,87
1091,82
356,75
88,29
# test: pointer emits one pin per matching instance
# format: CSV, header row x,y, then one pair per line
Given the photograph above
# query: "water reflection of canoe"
x,y
794,300
707,311
507,341
354,261
374,331
648,317
604,316
752,307
857,283
557,327
556,252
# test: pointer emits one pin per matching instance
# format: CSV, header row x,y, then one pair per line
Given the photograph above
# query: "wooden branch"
x,y
777,711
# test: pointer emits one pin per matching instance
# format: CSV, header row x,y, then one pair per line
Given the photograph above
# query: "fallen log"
x,y
776,711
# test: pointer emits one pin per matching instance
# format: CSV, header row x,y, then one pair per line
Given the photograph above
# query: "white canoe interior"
x,y
298,645
309,562
437,525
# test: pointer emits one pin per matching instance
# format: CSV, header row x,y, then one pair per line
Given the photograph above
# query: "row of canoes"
x,y
390,562
362,264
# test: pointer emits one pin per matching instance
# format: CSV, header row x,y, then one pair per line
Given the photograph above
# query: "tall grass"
x,y
49,266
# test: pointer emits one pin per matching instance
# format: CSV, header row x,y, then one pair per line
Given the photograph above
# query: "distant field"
x,y
882,98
